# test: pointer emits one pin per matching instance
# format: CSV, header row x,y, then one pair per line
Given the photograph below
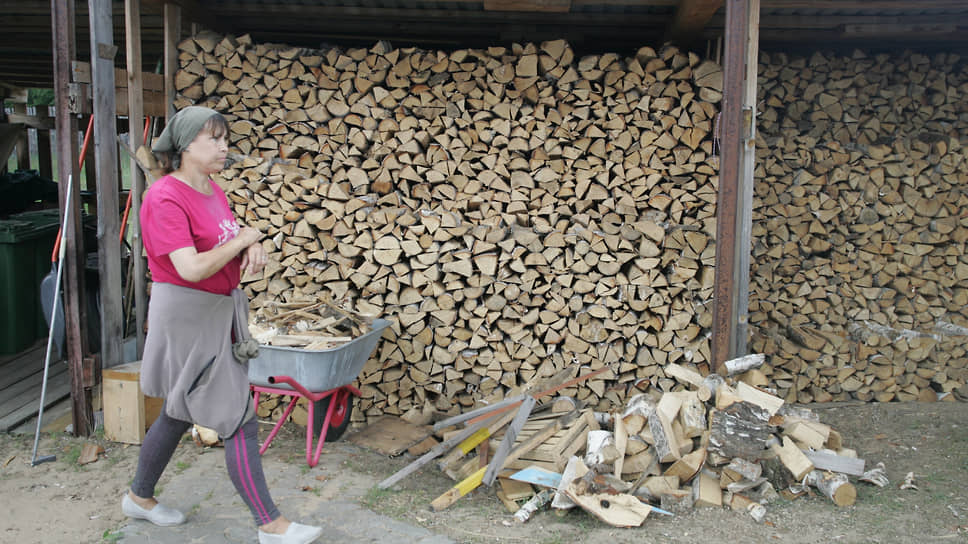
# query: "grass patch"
x,y
111,536
398,504
72,454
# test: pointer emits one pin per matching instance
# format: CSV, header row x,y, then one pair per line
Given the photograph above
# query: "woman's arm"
x,y
194,266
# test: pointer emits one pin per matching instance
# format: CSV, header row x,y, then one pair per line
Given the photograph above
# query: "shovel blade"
x,y
49,296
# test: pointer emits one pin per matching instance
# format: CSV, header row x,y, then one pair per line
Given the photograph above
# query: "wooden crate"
x,y
554,453
127,411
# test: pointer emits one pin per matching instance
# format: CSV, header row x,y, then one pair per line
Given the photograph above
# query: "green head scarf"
x,y
182,129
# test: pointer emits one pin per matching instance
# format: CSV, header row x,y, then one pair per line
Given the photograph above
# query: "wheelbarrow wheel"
x,y
340,420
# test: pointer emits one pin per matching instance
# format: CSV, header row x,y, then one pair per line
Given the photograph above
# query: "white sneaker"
x,y
297,533
159,515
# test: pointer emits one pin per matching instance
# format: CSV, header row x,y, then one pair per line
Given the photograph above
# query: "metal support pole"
x,y
734,208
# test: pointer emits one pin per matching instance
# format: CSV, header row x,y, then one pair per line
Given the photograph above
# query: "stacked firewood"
x,y
708,442
508,208
512,208
860,280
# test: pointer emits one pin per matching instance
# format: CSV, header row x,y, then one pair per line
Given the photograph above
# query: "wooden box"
x,y
127,411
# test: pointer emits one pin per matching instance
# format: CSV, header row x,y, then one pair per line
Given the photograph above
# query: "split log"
x,y
740,430
835,486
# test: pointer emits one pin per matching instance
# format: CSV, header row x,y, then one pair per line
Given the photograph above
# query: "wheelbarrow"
x,y
323,377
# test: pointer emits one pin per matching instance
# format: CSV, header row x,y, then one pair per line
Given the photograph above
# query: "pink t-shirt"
x,y
173,216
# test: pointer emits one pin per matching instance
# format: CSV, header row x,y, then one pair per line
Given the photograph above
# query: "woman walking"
x,y
197,347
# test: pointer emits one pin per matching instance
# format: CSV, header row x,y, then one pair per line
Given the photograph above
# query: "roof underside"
x,y
589,25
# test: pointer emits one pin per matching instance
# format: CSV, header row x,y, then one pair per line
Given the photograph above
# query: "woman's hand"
x,y
254,259
248,236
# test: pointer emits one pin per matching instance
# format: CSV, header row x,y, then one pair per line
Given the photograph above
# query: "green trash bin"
x,y
26,243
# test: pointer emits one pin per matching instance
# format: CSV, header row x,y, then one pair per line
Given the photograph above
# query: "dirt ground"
x,y
62,501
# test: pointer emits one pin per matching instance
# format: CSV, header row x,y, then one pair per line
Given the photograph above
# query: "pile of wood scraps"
x,y
709,441
311,324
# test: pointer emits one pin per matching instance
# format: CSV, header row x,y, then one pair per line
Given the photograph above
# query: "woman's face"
x,y
206,152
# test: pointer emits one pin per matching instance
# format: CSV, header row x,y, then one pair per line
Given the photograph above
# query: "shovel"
x,y
34,460
49,299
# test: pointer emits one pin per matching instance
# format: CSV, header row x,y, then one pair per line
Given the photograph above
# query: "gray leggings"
x,y
241,458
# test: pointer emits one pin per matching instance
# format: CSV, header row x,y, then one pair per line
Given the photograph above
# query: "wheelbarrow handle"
x,y
292,383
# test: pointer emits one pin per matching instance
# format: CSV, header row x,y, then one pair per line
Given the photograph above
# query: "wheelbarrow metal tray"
x,y
317,370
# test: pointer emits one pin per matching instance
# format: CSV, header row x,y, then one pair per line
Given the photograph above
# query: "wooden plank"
x,y
172,17
137,82
153,103
62,23
443,424
44,162
389,435
23,147
57,389
472,441
435,452
24,365
37,351
748,393
509,436
9,137
81,73
544,6
835,463
690,19
621,443
16,395
793,459
103,53
464,487
515,490
31,121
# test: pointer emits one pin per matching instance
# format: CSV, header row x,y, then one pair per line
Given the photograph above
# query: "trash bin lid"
x,y
13,231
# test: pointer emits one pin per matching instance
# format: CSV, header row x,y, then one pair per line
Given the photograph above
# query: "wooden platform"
x,y
21,378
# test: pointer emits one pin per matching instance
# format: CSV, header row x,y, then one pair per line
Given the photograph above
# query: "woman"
x,y
196,251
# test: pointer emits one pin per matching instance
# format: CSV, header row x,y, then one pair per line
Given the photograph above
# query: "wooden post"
x,y
132,25
744,212
44,165
23,141
62,21
734,209
103,52
172,36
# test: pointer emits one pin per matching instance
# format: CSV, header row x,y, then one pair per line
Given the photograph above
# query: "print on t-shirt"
x,y
229,230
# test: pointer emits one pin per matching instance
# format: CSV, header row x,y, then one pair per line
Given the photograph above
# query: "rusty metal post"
x,y
726,307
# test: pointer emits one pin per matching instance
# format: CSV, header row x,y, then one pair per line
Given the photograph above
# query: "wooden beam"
x,y
172,37
132,26
196,12
9,136
81,73
106,159
75,314
549,6
744,209
690,19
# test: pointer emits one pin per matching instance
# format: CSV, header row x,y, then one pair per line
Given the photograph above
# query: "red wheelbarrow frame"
x,y
340,395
